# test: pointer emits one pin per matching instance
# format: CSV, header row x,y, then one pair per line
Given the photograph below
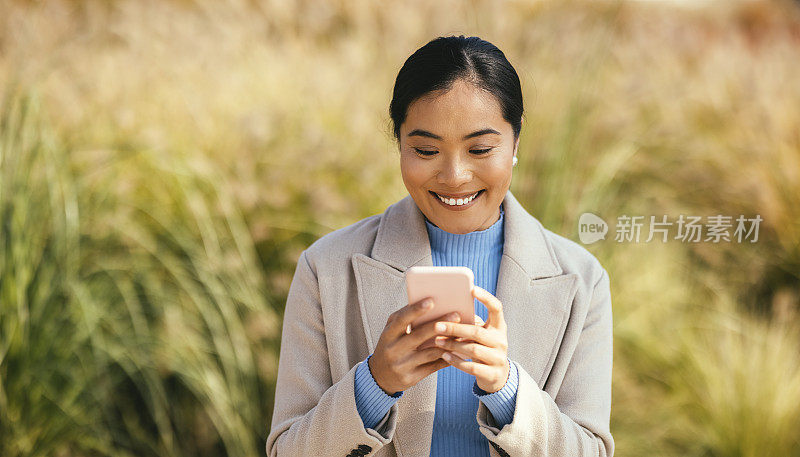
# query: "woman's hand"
x,y
397,364
485,343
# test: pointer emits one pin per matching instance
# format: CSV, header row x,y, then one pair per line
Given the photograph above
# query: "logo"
x,y
591,228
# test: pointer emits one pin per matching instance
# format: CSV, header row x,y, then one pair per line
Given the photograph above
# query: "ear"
x,y
516,145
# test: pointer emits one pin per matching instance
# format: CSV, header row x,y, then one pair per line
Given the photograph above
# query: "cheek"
x,y
414,172
497,175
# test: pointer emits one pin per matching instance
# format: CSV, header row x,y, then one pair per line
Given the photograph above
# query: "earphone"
x,y
514,161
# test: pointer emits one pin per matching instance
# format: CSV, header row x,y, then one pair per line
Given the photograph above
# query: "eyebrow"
x,y
425,133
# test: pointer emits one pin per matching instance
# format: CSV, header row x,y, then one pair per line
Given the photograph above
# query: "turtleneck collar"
x,y
483,240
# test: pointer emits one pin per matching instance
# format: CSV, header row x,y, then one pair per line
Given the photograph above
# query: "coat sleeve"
x,y
576,422
313,415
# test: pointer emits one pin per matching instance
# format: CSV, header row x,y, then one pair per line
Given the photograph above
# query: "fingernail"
x,y
440,327
452,316
427,303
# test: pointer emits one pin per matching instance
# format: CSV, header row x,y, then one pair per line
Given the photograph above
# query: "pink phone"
x,y
450,288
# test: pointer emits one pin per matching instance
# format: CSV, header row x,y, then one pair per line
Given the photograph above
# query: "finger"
x,y
424,356
493,305
400,320
474,351
460,355
477,320
451,357
477,334
426,332
477,369
428,368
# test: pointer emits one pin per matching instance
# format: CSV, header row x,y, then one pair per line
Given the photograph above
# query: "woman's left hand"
x,y
485,343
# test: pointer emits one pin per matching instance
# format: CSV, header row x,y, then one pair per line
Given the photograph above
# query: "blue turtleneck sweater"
x,y
455,428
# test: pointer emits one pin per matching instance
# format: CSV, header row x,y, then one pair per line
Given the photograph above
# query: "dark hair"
x,y
444,60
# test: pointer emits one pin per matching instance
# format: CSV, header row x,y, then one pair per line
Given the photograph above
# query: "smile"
x,y
453,202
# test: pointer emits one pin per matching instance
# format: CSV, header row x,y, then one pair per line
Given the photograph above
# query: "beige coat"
x,y
557,306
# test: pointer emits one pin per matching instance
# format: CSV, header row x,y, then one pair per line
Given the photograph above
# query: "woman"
x,y
531,377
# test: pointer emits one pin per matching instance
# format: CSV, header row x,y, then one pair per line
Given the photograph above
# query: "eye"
x,y
424,152
480,151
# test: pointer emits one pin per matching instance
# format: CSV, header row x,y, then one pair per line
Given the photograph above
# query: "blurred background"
x,y
163,164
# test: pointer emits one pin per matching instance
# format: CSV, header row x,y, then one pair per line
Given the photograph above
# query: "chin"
x,y
457,228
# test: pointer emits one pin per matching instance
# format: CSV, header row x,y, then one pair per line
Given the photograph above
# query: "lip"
x,y
461,195
458,208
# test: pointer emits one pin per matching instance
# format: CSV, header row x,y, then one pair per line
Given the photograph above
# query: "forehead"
x,y
462,109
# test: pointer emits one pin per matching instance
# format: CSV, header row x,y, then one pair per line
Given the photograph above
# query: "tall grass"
x,y
708,378
182,154
43,345
134,314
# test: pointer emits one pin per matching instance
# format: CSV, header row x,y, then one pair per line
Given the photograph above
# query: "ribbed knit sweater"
x,y
455,428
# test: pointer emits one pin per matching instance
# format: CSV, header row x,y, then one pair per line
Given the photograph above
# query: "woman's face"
x,y
455,144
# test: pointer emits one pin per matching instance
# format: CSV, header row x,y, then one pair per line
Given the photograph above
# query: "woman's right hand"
x,y
397,364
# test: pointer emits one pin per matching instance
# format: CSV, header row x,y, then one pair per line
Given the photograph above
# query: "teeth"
x,y
457,201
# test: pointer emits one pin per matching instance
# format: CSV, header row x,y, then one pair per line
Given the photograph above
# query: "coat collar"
x,y
535,292
403,224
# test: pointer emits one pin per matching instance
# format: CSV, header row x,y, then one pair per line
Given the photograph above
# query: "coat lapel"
x,y
535,293
401,242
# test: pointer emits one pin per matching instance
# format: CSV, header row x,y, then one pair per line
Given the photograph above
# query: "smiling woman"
x,y
461,160
532,375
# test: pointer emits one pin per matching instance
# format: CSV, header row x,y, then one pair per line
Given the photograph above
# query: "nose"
x,y
454,173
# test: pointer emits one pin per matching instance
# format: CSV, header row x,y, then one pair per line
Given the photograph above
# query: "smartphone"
x,y
449,287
